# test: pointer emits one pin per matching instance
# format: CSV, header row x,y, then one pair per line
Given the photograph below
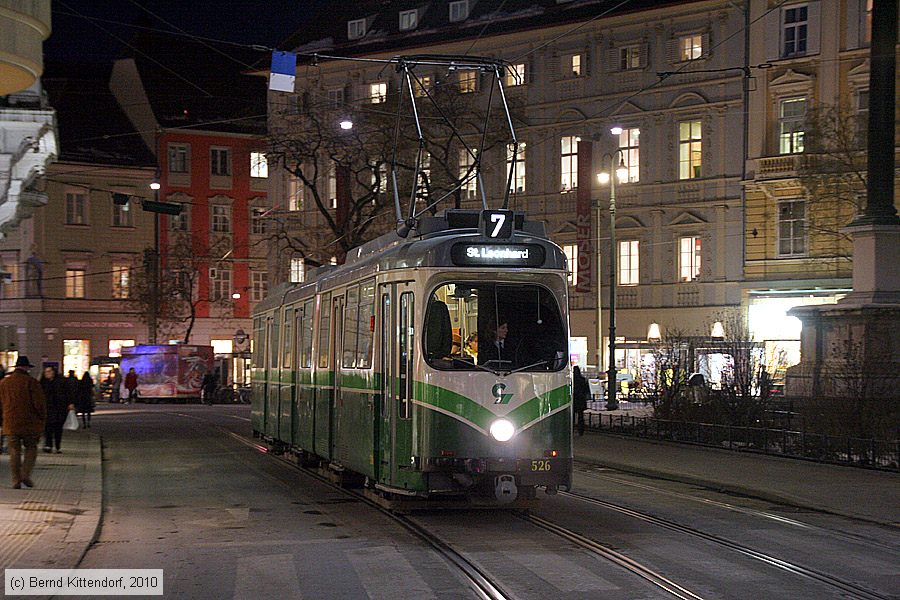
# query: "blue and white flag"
x,y
283,72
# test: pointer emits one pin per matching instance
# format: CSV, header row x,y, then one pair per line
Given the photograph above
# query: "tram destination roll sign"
x,y
497,255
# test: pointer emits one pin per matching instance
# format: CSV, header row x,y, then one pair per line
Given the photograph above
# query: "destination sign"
x,y
505,255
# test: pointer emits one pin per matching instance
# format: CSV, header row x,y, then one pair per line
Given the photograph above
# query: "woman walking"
x,y
581,392
57,408
85,404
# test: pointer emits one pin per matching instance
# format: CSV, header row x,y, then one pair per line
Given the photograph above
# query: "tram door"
x,y
397,344
337,328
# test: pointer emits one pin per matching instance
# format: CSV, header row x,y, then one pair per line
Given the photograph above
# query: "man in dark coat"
x,y
24,413
85,403
57,408
495,350
581,392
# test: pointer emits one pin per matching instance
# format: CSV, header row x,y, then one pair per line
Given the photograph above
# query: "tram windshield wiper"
x,y
537,364
469,363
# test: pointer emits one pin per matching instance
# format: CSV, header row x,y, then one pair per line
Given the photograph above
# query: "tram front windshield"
x,y
496,327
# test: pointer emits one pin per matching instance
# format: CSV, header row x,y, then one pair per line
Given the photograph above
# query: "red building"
x,y
205,121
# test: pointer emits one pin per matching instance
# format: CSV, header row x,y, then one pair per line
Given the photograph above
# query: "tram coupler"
x,y
505,490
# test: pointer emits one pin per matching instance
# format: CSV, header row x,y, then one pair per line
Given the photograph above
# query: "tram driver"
x,y
496,350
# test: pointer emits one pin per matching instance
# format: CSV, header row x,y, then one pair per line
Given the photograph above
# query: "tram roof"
x,y
432,247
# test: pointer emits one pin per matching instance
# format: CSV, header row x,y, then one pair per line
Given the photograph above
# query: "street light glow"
x,y
616,130
346,124
603,177
154,185
236,296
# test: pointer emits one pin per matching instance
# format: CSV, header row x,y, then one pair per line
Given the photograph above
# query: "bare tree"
x,y
666,382
344,172
834,172
176,299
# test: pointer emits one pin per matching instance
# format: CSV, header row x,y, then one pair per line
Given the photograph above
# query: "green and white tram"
x,y
366,368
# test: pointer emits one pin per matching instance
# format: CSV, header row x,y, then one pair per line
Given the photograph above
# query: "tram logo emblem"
x,y
497,393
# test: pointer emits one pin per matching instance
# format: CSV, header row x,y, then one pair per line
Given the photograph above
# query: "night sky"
x,y
75,38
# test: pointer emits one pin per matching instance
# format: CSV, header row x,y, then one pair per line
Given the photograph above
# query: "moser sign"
x,y
510,255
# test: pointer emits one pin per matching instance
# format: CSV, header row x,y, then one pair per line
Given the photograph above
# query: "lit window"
x,y
791,117
356,29
408,20
516,164
298,270
422,86
76,208
629,58
123,216
792,228
296,193
75,282
121,280
466,174
569,162
220,288
689,250
259,285
220,161
179,222
862,116
379,181
571,252
258,222
629,262
629,141
331,185
259,166
425,171
222,346
179,158
377,92
221,218
690,151
794,30
459,11
115,346
468,81
690,47
575,65
515,74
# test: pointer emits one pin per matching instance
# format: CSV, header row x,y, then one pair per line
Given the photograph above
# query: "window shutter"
x,y
813,40
854,18
707,45
555,68
645,55
672,56
586,62
772,33
612,60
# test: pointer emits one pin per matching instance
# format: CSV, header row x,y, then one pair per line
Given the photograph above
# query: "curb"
x,y
748,491
96,499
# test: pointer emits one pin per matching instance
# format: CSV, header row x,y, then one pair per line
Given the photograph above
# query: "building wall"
x,y
39,251
660,208
239,250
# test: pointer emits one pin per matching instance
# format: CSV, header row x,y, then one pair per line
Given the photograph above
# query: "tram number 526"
x,y
540,465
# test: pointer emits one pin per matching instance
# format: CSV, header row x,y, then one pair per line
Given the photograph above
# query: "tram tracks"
x,y
847,587
834,533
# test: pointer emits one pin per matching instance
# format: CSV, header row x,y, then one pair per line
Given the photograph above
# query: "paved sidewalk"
x,y
848,491
52,525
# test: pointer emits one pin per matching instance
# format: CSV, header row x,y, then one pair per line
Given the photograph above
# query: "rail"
x,y
870,453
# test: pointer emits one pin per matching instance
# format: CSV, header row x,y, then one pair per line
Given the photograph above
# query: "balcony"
x,y
783,167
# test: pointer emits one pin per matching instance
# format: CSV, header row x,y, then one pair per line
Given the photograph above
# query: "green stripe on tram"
x,y
474,413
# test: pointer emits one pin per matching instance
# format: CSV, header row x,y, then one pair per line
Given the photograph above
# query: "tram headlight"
x,y
502,430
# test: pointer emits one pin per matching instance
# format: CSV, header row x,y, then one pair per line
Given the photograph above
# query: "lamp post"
x,y
621,173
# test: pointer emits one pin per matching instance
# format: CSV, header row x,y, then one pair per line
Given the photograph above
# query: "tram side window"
x,y
306,335
257,339
366,325
324,329
287,339
407,341
351,325
273,342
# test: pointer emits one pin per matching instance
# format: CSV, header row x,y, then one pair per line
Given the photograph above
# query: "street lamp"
x,y
604,178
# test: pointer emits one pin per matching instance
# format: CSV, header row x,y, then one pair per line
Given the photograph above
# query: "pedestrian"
x,y
115,383
71,386
209,386
131,384
24,412
581,392
85,403
57,408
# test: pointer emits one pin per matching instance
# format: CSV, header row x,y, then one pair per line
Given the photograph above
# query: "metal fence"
x,y
877,454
